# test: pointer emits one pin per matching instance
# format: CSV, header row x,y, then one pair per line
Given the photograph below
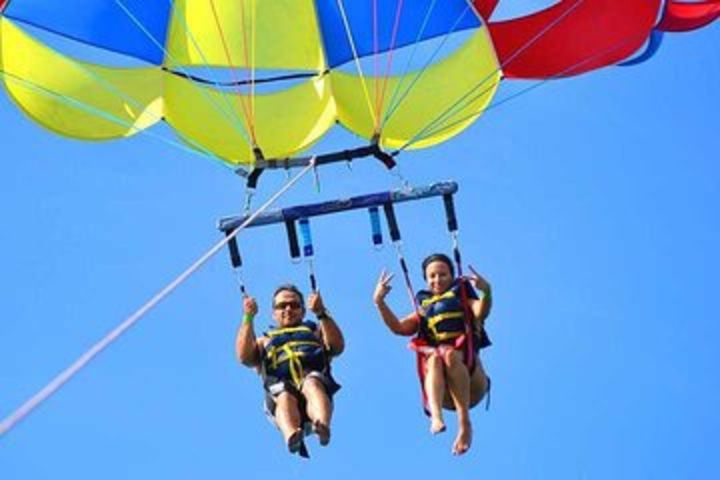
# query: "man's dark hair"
x,y
289,287
438,257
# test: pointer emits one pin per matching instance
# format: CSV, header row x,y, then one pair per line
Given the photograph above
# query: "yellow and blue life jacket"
x,y
292,352
443,317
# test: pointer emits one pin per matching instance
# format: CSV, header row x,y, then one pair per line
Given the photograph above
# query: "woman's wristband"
x,y
247,318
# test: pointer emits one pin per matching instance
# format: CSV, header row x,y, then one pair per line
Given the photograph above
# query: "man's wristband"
x,y
322,315
247,318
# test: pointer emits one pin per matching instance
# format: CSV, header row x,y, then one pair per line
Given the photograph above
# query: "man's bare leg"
x,y
287,416
319,408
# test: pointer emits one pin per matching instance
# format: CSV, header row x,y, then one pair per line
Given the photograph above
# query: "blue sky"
x,y
590,204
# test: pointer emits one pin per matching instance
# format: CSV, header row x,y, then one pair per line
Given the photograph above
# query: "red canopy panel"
x,y
484,7
573,37
684,16
2,4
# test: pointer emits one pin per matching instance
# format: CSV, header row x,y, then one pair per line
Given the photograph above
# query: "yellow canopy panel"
x,y
277,34
469,78
284,122
73,98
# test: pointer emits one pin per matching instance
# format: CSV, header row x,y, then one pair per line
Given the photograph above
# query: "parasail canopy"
x,y
235,78
253,83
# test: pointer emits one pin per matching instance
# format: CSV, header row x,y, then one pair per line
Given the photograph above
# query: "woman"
x,y
449,330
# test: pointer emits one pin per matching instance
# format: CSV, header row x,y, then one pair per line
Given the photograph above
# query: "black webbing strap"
x,y
392,222
292,239
397,241
452,226
313,282
253,178
450,212
235,258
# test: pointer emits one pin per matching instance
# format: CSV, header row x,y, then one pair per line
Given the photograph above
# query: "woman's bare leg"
x,y
435,391
478,383
459,385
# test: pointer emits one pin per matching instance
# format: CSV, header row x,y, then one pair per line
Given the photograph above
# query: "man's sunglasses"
x,y
283,305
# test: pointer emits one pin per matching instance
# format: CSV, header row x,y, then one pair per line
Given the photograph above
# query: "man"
x,y
294,361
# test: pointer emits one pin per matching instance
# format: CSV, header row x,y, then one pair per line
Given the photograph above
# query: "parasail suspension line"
x,y
136,21
316,179
517,94
112,118
228,112
241,98
462,102
397,243
424,68
56,383
410,59
346,24
388,67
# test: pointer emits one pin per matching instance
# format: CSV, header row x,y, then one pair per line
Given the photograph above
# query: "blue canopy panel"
x,y
132,27
419,20
653,46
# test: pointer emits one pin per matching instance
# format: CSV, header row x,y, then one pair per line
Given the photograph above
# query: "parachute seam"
x,y
425,67
409,62
356,58
241,98
376,63
109,117
139,24
231,114
388,66
451,110
527,89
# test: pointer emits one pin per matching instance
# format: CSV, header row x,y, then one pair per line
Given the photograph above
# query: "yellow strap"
x,y
447,335
281,331
273,350
434,320
436,298
296,368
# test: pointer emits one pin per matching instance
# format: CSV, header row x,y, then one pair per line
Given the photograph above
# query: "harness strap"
x,y
308,251
296,368
236,261
397,241
452,225
292,239
469,347
375,225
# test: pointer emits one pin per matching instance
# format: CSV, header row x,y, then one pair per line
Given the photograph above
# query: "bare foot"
x,y
322,431
437,426
463,440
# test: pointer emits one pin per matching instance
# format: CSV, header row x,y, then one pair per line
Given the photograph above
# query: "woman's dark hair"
x,y
289,287
438,257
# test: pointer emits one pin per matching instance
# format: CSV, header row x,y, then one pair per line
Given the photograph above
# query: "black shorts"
x,y
275,386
